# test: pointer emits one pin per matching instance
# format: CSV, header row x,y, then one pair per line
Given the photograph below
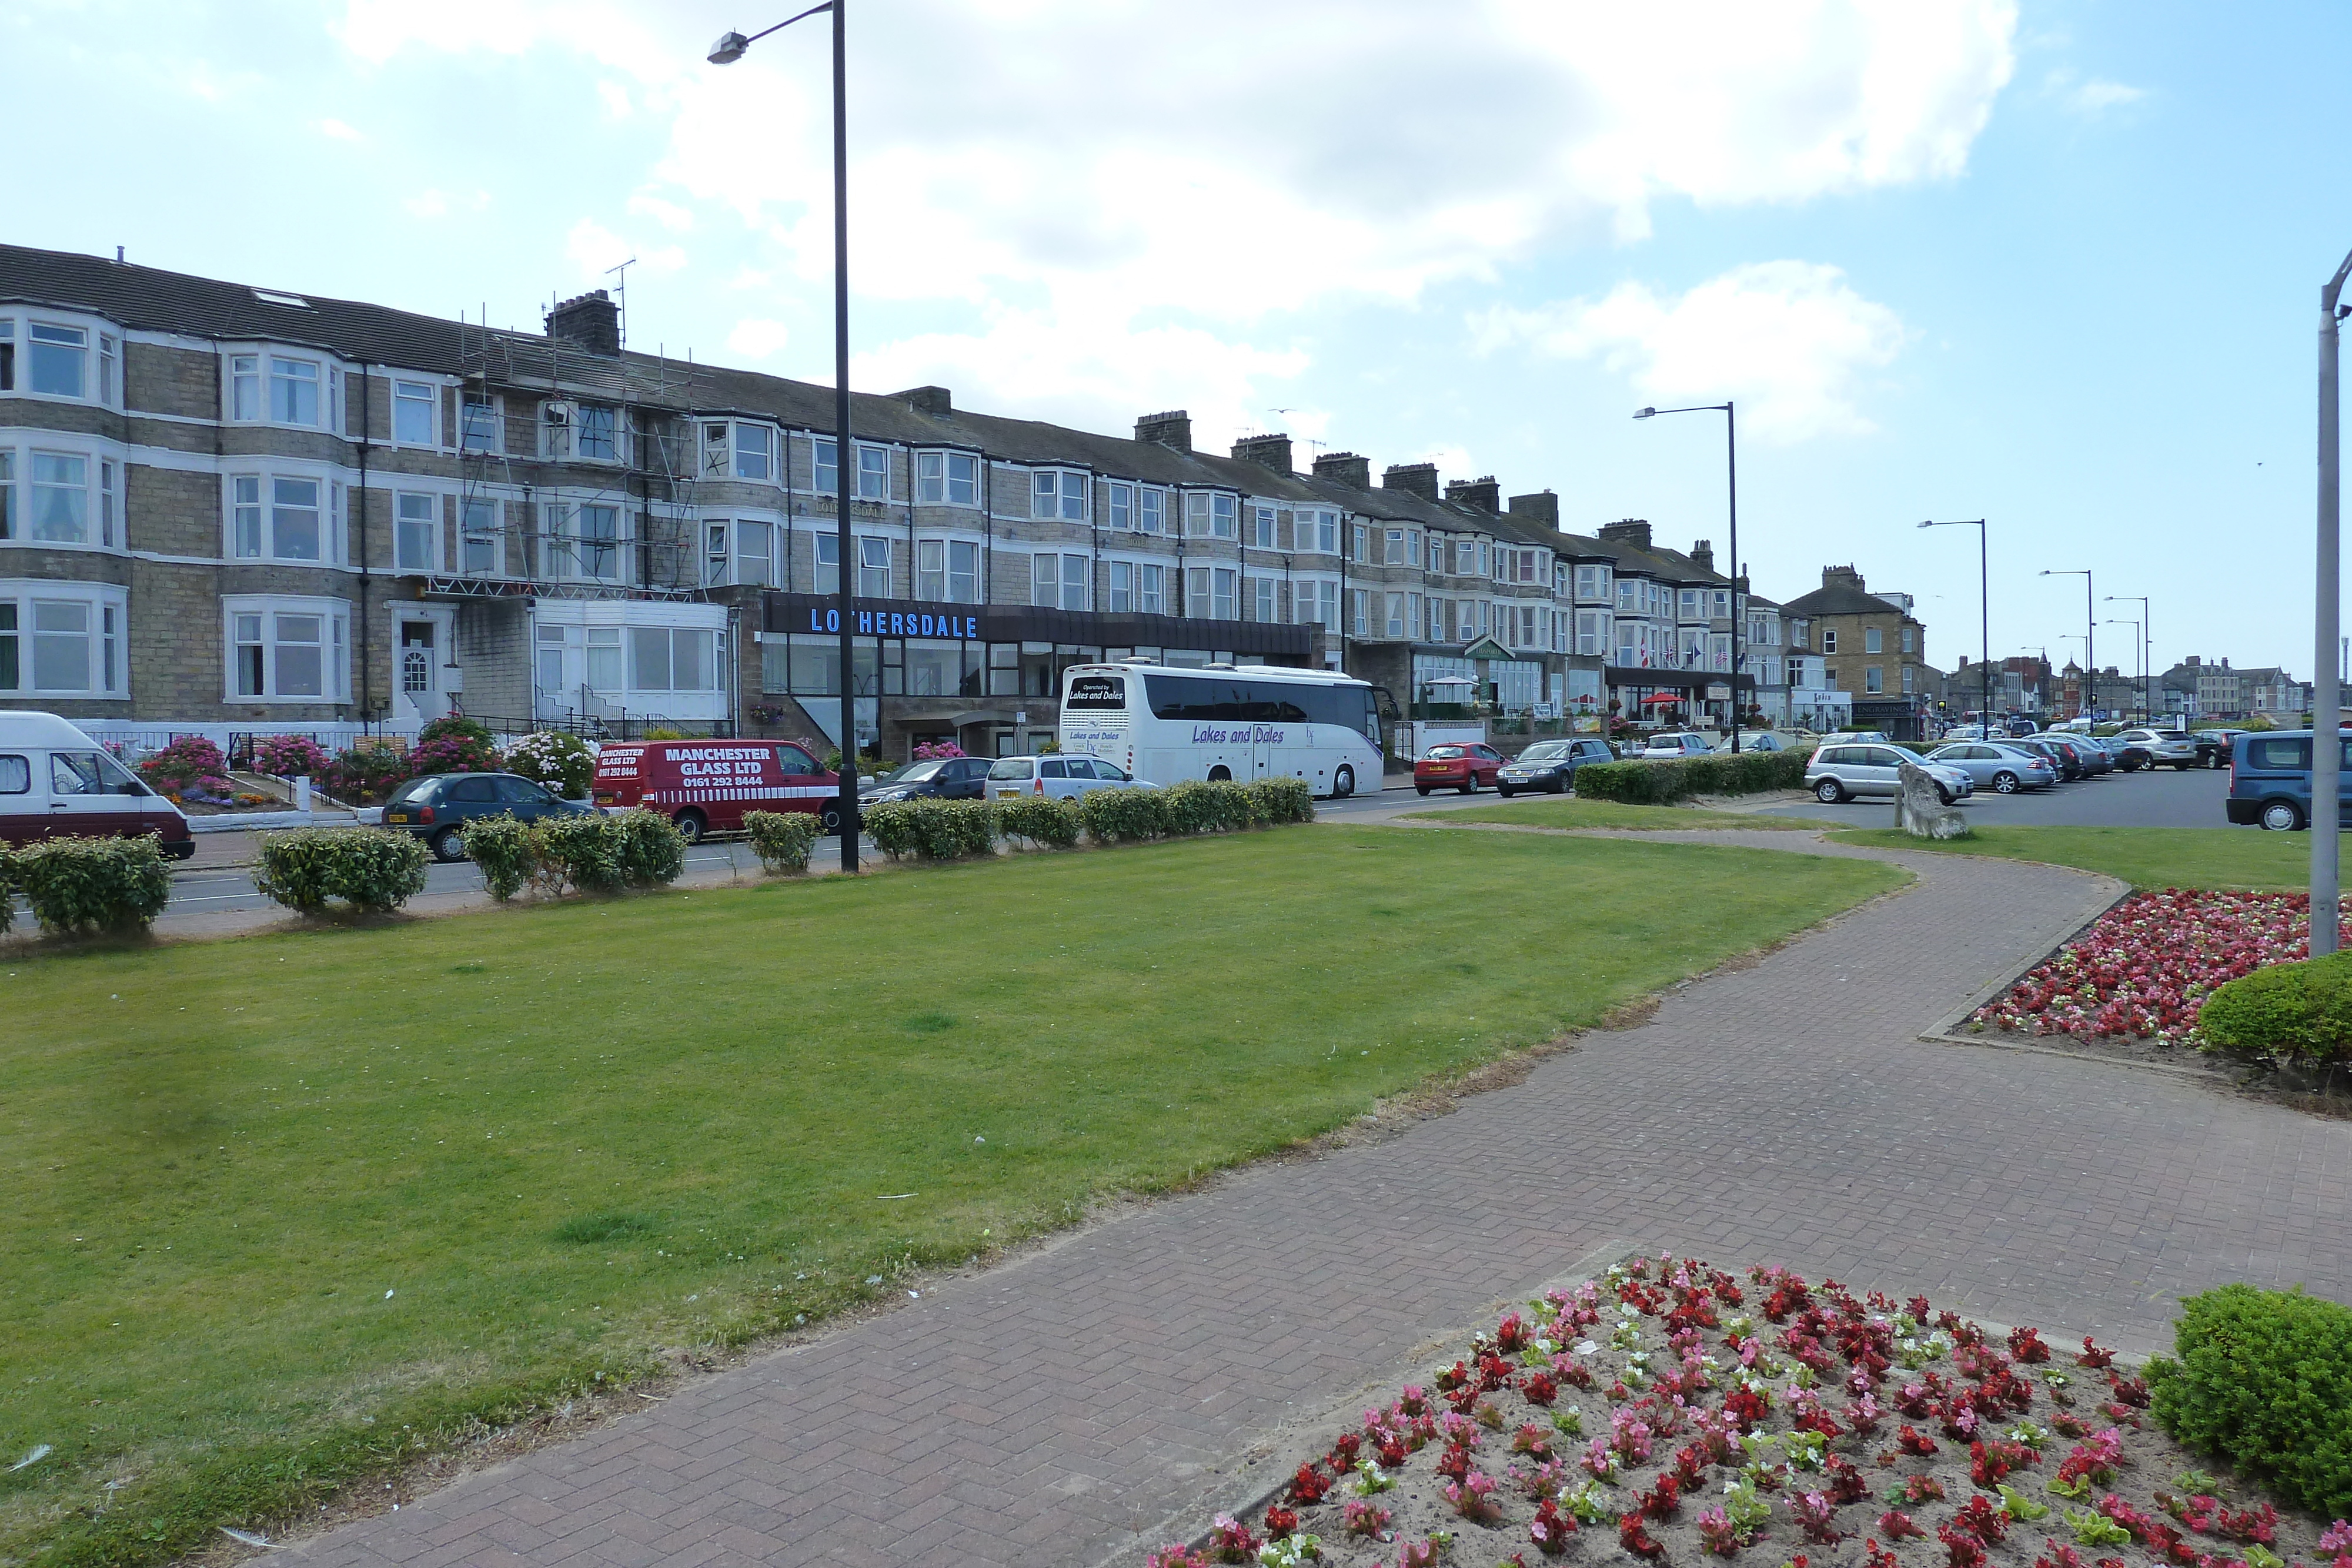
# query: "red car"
x,y
1467,767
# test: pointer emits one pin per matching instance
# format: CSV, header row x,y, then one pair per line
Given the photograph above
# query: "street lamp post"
x,y
730,48
1731,474
2326,694
2146,651
1984,616
2090,642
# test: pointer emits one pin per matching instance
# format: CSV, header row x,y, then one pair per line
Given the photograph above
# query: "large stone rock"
x,y
1919,808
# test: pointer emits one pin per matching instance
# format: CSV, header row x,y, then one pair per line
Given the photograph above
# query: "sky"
x,y
2053,266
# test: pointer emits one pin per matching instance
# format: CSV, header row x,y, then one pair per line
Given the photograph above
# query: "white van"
x,y
57,782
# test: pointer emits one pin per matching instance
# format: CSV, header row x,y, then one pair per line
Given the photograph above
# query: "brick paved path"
x,y
1054,1410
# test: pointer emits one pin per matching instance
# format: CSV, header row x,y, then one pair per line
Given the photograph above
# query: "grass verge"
x,y
294,1209
1563,811
2144,857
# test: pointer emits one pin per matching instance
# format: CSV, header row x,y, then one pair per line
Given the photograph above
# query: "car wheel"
x,y
1504,792
1343,783
690,825
1422,790
1221,775
2282,816
1559,786
1943,794
1468,786
2004,783
1828,792
449,845
2182,767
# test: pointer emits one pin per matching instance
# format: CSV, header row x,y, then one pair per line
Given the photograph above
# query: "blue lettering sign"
x,y
898,623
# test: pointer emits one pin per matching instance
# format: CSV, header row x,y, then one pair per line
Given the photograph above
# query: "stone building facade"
x,y
228,508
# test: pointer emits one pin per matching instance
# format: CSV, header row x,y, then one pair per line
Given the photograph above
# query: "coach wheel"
x,y
690,825
1221,776
1343,783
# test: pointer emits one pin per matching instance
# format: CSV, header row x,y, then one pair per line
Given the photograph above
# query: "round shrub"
x,y
650,851
289,757
505,852
781,840
2298,1012
371,869
2263,1380
564,763
189,766
77,885
456,725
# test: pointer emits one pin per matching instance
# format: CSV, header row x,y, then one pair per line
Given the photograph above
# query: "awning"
x,y
1487,648
1664,697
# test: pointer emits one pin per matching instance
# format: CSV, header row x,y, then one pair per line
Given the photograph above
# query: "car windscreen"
x,y
415,789
1548,751
913,773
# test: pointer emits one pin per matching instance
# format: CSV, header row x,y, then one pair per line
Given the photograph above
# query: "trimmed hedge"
x,y
374,868
2263,1380
75,885
1046,821
1660,783
592,853
7,889
2284,1012
781,840
932,830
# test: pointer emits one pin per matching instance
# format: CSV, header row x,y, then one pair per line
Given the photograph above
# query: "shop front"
x,y
986,677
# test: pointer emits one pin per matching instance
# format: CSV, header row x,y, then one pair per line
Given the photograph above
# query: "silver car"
x,y
2003,769
2162,745
1842,772
1062,778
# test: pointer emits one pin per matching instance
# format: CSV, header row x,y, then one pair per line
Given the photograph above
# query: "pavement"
x,y
1097,1397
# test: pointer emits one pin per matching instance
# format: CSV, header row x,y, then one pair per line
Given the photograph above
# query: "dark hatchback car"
x,y
1550,766
2062,756
944,779
438,806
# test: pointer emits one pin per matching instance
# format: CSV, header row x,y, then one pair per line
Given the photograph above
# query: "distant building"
x,y
1871,647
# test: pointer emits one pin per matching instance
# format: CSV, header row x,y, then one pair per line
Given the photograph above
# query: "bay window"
x,y
755,553
948,569
596,433
592,539
7,492
415,531
1593,633
1209,591
414,404
1395,621
60,498
1210,516
58,359
61,639
278,517
947,478
755,447
478,422
1122,586
287,648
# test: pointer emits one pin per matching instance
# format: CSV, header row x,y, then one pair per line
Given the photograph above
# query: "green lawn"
x,y
281,1205
2145,857
1563,811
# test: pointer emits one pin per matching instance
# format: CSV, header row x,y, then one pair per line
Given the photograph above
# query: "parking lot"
x,y
2161,799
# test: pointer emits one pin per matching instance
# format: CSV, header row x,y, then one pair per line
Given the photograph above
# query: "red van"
x,y
706,786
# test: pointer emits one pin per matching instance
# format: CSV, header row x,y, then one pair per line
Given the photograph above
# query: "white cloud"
x,y
427,204
669,214
757,337
1786,340
339,131
2089,97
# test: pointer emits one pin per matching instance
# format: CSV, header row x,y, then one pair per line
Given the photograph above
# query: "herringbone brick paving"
x,y
1054,1410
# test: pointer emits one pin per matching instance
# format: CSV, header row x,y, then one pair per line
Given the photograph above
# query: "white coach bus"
x,y
1224,721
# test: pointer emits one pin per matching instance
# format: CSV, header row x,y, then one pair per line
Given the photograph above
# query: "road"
x,y
2144,799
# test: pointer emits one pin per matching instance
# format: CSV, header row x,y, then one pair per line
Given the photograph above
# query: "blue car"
x,y
438,806
2269,781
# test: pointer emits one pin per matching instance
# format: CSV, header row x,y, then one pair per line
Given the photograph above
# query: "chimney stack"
x,y
591,321
1173,428
1265,451
1413,479
1843,576
1481,492
1543,506
1634,531
1345,468
1702,554
933,401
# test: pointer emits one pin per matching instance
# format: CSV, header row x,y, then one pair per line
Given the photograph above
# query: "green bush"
x,y
649,849
1125,816
782,839
1662,783
506,852
1275,803
583,852
1634,783
368,868
2285,1012
933,829
2265,1381
7,889
1207,807
93,884
1043,820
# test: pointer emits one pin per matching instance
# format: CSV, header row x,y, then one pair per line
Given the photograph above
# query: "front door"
x,y
416,674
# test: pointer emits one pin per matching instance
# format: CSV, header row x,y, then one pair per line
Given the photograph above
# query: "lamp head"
x,y
729,49
1644,412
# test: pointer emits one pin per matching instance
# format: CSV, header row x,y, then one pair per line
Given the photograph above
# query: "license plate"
x,y
395,816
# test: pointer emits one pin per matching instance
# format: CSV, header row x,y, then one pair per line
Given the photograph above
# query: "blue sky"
x,y
2053,265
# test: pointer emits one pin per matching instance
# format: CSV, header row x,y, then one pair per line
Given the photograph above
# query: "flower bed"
x,y
1668,1412
2145,966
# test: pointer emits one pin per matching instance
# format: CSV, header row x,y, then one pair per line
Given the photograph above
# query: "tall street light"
x,y
2090,644
1731,472
2326,694
1984,611
730,48
2142,649
2146,651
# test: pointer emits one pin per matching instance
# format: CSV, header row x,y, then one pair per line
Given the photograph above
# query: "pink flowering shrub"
x,y
2144,968
189,766
289,757
939,751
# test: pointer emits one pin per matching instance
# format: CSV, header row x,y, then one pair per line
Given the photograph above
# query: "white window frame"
x,y
404,502
334,646
261,507
1062,581
938,482
265,366
106,620
1873,639
1119,507
873,473
99,379
404,395
1262,521
874,563
1264,598
1152,588
474,530
1058,495
571,545
1211,515
481,422
1151,510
